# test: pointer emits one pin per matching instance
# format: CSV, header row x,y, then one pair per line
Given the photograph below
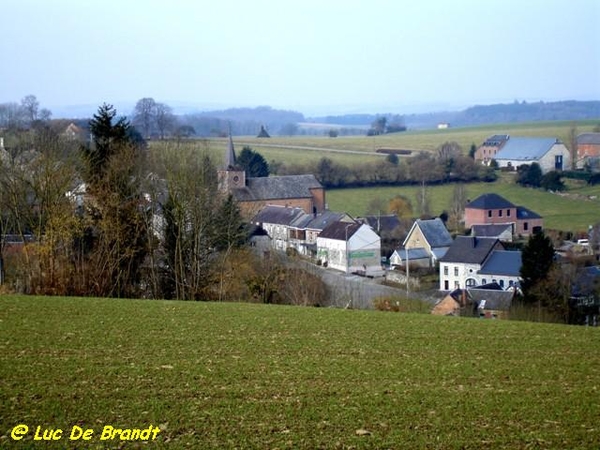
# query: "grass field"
x,y
567,213
255,376
428,140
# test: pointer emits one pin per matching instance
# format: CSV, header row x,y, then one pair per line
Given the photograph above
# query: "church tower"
x,y
231,176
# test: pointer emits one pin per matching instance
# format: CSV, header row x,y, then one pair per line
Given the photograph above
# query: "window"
x,y
499,213
511,283
525,226
490,213
446,270
508,213
502,284
456,285
470,282
446,286
456,271
483,281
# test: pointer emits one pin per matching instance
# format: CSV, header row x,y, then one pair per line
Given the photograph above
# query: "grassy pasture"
x,y
565,213
278,148
255,376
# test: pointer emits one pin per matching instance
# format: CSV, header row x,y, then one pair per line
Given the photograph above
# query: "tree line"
x,y
448,164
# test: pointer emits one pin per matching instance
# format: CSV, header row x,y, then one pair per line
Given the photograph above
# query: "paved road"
x,y
353,291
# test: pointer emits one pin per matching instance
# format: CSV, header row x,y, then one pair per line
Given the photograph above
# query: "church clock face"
x,y
236,179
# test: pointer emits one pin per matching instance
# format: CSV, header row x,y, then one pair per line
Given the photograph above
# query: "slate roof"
x,y
490,201
470,250
587,281
496,140
490,230
279,215
524,213
384,223
494,300
321,221
413,253
502,262
435,232
588,139
277,188
340,230
526,148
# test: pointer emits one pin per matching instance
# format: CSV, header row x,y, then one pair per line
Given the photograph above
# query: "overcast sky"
x,y
313,56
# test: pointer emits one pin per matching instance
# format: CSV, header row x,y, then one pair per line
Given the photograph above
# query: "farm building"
x,y
549,153
252,193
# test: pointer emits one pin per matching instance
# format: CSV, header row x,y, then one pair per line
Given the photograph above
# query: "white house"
x,y
549,153
350,247
460,266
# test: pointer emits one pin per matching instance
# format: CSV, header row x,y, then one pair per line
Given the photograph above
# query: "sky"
x,y
313,56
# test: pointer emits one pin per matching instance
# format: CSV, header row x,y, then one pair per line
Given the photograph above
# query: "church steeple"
x,y
230,162
231,176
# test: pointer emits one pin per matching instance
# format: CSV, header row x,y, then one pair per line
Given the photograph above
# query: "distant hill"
x,y
484,114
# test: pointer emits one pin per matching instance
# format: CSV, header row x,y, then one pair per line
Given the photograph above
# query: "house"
x,y
588,150
443,126
382,223
416,257
492,145
429,236
549,153
279,223
460,266
503,232
493,209
252,193
489,301
294,228
350,247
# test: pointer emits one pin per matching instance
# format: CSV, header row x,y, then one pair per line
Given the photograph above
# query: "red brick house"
x,y
492,145
588,150
494,209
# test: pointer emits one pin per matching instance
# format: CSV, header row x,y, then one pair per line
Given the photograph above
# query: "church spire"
x,y
230,162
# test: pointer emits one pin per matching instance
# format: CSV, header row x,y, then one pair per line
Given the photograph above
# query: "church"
x,y
253,193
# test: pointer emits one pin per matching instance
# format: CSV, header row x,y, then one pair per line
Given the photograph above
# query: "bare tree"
x,y
30,106
573,145
165,120
144,115
457,208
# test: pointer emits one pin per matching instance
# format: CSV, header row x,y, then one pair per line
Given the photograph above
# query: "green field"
x,y
255,376
275,148
568,213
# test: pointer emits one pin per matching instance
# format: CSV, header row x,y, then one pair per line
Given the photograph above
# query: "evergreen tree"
x,y
253,163
529,175
537,259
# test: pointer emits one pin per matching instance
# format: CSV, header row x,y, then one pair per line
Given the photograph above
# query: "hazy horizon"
x,y
314,57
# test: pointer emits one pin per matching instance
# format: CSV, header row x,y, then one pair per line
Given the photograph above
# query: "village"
x,y
479,273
